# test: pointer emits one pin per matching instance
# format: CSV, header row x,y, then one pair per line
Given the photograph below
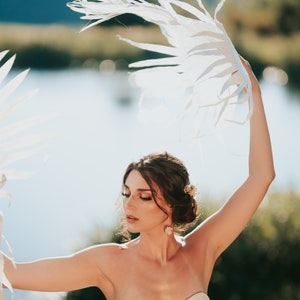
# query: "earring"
x,y
169,230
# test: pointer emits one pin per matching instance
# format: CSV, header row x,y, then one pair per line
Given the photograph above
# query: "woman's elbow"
x,y
264,178
270,176
273,175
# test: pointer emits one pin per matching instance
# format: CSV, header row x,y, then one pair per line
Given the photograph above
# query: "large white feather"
x,y
201,56
15,145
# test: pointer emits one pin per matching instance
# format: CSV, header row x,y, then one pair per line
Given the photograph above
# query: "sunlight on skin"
x,y
142,213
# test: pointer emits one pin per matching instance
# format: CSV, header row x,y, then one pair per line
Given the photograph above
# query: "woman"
x,y
157,198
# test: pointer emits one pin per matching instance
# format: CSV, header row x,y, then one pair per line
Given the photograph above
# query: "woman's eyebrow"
x,y
139,189
144,190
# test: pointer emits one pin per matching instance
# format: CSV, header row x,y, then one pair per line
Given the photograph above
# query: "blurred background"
x,y
73,199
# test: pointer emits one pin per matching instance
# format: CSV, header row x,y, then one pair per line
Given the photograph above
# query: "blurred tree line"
x,y
262,263
265,16
266,32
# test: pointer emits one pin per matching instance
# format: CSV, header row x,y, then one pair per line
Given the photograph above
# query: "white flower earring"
x,y
169,230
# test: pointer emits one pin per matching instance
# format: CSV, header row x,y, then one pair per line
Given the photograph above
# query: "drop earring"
x,y
169,230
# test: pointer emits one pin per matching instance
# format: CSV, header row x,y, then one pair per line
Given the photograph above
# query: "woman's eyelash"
x,y
145,198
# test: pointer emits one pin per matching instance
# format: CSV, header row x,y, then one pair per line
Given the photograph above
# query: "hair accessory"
x,y
190,189
169,230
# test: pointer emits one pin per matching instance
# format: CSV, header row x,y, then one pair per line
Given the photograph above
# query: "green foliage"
x,y
42,57
262,263
52,47
265,17
91,293
266,33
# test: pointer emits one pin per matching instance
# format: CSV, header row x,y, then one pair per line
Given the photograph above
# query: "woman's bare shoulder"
x,y
106,249
104,256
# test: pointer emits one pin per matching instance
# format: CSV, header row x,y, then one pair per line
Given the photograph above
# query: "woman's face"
x,y
141,211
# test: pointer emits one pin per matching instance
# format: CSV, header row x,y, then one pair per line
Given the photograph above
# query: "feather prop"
x,y
15,145
200,63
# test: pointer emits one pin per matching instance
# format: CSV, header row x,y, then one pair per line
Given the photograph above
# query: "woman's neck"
x,y
160,248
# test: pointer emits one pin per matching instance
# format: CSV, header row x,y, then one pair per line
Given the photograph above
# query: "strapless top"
x,y
198,296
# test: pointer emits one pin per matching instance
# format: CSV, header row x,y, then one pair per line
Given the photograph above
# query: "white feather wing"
x,y
201,59
15,144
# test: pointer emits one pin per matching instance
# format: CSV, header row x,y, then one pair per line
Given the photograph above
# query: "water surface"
x,y
97,134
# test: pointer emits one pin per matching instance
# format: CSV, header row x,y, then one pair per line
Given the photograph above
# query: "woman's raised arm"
x,y
222,228
56,274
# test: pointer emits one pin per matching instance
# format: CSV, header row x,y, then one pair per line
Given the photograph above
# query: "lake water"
x,y
96,135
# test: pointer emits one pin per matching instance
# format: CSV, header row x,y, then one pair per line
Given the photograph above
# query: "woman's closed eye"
x,y
126,195
144,197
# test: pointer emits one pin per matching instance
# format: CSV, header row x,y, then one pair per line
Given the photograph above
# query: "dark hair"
x,y
170,175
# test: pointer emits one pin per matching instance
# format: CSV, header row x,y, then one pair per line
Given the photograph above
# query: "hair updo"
x,y
170,175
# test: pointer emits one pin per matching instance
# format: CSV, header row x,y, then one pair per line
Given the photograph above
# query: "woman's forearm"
x,y
260,155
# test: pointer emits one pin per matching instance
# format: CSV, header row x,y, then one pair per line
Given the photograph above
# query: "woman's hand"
x,y
253,79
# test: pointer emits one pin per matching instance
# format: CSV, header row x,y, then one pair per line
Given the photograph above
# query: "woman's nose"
x,y
129,202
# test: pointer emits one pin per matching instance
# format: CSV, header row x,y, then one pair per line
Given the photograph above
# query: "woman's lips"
x,y
131,218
